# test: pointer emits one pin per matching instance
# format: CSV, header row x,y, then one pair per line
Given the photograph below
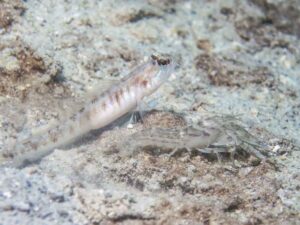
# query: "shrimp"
x,y
101,111
212,137
171,140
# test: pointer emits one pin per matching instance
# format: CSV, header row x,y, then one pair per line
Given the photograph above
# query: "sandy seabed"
x,y
239,58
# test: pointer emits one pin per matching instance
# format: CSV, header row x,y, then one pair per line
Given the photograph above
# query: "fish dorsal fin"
x,y
99,88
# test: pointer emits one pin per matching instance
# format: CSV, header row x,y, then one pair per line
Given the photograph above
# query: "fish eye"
x,y
161,61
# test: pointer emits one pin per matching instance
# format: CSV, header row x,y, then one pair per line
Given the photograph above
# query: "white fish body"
x,y
101,111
